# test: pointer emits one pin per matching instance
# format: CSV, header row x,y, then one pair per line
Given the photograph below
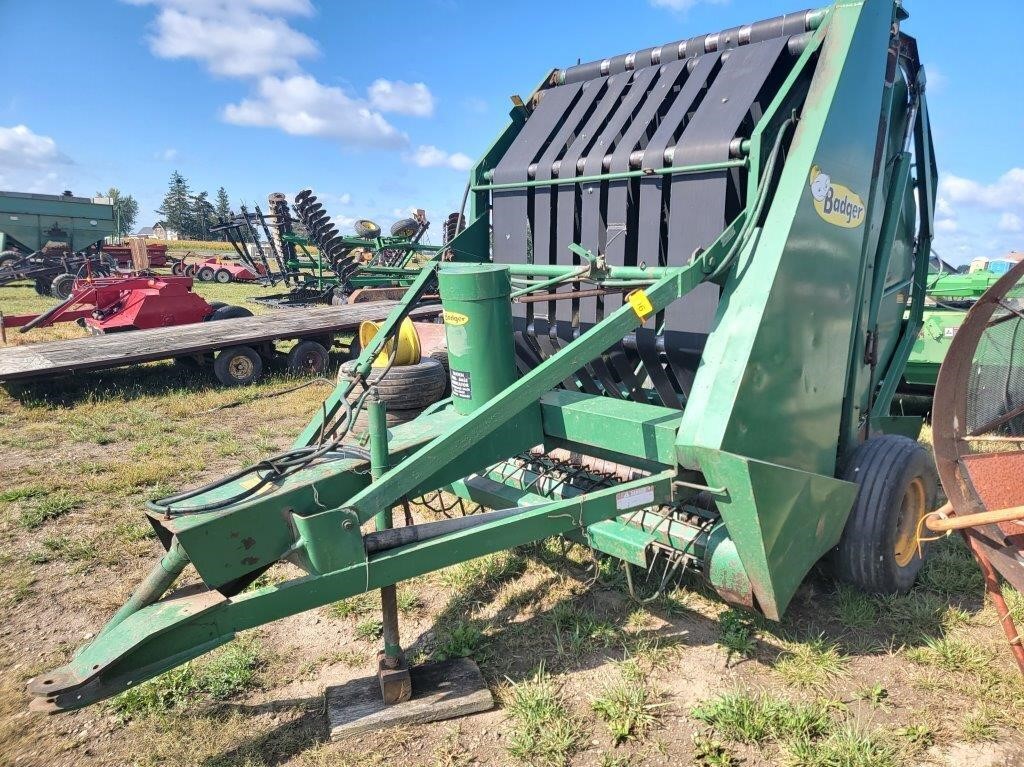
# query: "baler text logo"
x,y
834,202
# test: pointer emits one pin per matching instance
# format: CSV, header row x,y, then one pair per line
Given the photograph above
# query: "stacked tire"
x,y
406,391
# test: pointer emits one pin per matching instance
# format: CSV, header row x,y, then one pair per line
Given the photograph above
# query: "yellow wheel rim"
x,y
408,343
912,509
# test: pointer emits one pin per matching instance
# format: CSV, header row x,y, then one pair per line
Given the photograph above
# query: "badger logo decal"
x,y
834,202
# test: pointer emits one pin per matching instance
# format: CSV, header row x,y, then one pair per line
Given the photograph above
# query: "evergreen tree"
x,y
222,208
177,206
202,217
126,211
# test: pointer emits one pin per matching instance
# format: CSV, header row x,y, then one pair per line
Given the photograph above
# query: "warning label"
x,y
631,499
462,385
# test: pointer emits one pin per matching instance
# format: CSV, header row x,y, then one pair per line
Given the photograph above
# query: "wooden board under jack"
x,y
442,690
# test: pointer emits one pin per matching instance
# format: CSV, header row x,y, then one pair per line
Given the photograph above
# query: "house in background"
x,y
157,232
997,265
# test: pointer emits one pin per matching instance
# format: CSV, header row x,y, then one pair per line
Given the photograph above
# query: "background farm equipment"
x,y
690,280
378,267
47,238
122,254
127,302
220,270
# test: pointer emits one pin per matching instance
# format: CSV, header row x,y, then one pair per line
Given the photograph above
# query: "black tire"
x,y
441,355
408,387
178,268
205,274
393,418
406,227
62,286
190,270
42,285
366,229
223,276
238,366
229,312
217,304
896,485
8,258
308,358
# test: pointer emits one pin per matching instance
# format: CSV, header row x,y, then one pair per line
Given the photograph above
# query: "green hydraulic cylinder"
x,y
478,327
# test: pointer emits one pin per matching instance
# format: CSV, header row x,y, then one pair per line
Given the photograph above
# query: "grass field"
x,y
584,675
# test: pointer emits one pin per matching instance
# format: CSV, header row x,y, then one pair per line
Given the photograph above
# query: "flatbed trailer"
x,y
258,333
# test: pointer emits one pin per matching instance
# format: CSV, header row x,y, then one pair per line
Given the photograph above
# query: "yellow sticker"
x,y
835,203
455,318
641,304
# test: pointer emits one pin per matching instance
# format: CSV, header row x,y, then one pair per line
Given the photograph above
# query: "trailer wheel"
x,y
42,285
190,270
178,268
229,312
62,286
896,481
223,276
308,358
238,366
205,274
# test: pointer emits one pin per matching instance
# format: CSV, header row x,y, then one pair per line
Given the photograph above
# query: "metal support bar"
x,y
672,170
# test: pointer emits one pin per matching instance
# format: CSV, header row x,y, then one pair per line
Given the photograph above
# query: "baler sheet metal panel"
x,y
680,110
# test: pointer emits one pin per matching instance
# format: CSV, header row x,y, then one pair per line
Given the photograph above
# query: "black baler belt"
x,y
647,347
565,230
651,205
618,204
697,212
510,205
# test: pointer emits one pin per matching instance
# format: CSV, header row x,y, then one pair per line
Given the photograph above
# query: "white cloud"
x,y
1006,193
401,97
20,147
237,38
167,155
302,106
946,225
936,79
943,208
345,199
1011,222
429,156
684,5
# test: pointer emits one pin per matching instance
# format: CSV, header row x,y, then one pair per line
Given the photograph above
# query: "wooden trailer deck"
x,y
131,347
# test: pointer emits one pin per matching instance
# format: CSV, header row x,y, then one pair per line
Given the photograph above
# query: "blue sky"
x,y
380,106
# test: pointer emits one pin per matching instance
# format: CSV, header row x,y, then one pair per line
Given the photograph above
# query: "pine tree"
x,y
177,206
202,216
222,208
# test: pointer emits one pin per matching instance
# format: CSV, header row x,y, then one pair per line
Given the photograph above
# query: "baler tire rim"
x,y
217,276
885,468
205,274
238,366
178,268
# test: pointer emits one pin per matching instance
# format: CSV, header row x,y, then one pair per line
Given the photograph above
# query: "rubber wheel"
x,y
62,286
897,485
190,270
42,285
308,358
366,229
441,355
229,312
217,304
178,268
361,424
205,274
238,366
408,387
8,258
223,276
406,227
